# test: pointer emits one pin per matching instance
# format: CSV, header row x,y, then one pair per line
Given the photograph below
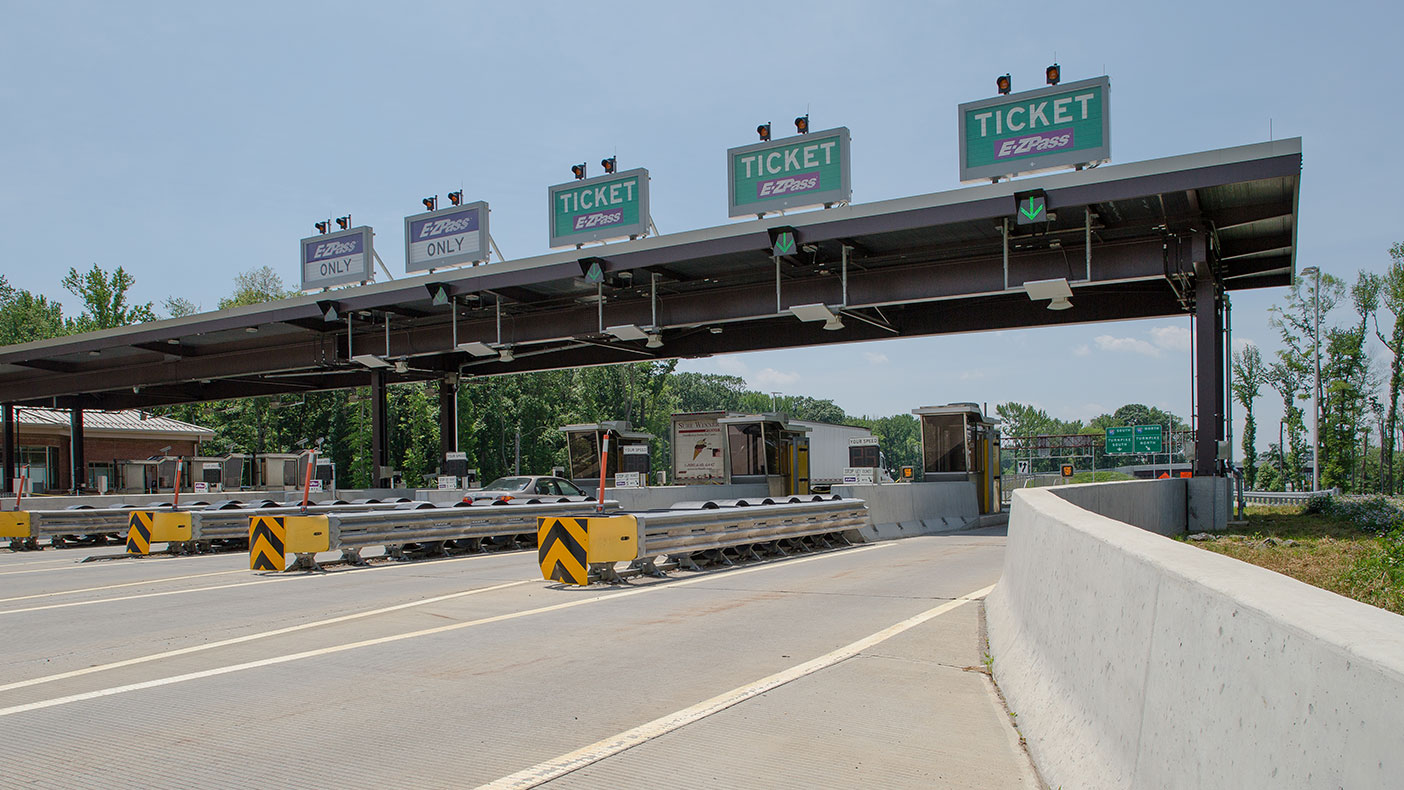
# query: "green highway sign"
x,y
606,207
1119,440
804,170
1036,130
1135,440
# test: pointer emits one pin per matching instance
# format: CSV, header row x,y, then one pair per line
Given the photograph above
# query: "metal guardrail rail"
x,y
26,528
431,528
1284,497
692,533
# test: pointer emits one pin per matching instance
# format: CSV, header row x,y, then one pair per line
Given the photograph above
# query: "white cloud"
x,y
875,357
1123,344
1174,338
1082,350
766,378
732,366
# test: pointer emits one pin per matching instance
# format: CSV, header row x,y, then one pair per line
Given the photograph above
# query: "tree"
x,y
1299,322
256,286
25,317
1392,295
105,299
1249,375
1286,379
179,306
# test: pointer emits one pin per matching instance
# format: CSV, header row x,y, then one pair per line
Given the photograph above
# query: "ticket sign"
x,y
337,258
447,237
595,209
804,170
1034,131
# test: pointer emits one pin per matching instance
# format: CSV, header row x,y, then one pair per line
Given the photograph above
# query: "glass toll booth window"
x,y
944,443
748,449
584,450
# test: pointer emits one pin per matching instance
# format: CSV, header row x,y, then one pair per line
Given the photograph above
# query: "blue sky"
x,y
188,142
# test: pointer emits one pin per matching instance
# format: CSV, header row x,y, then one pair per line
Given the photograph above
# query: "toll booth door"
x,y
801,467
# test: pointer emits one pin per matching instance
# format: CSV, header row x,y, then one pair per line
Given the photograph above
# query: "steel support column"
x,y
1209,364
9,452
380,433
78,466
448,416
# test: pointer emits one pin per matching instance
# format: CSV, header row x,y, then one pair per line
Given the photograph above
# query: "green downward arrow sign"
x,y
785,243
1032,210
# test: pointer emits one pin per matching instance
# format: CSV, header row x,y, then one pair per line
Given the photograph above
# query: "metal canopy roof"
x,y
932,264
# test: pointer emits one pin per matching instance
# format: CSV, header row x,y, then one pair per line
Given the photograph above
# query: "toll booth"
x,y
277,471
166,467
700,455
628,452
767,448
136,476
208,473
323,471
958,443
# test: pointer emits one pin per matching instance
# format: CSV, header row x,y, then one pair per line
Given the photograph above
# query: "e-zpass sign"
x,y
804,170
446,237
337,258
1036,130
613,206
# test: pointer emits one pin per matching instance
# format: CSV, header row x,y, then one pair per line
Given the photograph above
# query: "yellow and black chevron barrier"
x,y
139,531
273,538
566,546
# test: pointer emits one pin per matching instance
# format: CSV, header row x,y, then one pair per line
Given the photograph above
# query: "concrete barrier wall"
x,y
1155,505
1135,661
899,510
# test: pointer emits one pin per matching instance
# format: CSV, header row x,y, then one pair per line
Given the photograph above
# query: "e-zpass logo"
x,y
587,221
787,185
331,249
448,225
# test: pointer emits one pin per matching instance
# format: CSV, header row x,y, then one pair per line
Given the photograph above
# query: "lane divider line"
x,y
554,769
148,595
251,637
115,586
283,659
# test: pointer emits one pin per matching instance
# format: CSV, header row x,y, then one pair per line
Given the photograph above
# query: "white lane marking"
x,y
554,769
153,595
251,637
115,586
107,561
283,659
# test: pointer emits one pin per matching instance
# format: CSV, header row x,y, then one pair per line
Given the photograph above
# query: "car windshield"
x,y
507,484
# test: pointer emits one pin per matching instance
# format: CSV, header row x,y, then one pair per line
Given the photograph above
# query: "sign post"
x,y
804,170
1038,130
597,209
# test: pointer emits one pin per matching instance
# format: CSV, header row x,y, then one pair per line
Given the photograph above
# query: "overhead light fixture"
x,y
834,324
627,332
370,361
402,365
655,340
1054,74
1057,291
251,329
477,349
94,353
813,312
1005,84
504,354
716,330
764,131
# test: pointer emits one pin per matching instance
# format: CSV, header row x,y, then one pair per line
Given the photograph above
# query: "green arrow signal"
x,y
595,274
1033,209
785,243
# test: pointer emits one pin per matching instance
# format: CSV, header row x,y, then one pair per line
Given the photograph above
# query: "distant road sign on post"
x,y
1119,440
1135,440
804,170
595,209
1036,130
337,258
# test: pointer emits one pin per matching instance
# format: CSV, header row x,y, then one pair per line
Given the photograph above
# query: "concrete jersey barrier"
x,y
1135,661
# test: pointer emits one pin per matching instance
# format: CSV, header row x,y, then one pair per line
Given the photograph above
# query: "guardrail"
x,y
427,527
581,550
26,528
194,531
1284,497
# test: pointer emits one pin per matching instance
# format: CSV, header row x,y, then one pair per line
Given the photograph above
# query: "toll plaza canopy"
x,y
1146,239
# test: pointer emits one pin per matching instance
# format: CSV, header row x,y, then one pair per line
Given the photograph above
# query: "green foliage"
x,y
1249,376
179,307
256,286
25,317
105,299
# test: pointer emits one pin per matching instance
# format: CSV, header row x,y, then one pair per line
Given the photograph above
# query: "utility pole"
x,y
1316,380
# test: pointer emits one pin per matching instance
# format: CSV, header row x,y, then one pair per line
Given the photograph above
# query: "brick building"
x,y
43,439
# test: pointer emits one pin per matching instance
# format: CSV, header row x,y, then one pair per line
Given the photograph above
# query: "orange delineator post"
x,y
175,502
307,484
604,464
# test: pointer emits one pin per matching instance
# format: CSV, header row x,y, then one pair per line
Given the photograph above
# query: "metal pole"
x,y
653,298
1086,240
846,248
778,307
1316,400
1004,235
517,452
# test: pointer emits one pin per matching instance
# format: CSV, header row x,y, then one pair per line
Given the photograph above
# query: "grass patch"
x,y
1325,550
